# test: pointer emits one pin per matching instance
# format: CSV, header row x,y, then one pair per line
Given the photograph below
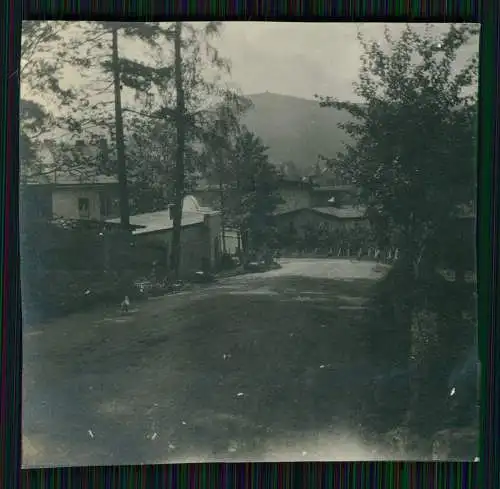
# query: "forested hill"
x,y
296,129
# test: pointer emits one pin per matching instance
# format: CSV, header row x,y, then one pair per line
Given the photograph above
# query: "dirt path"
x,y
241,370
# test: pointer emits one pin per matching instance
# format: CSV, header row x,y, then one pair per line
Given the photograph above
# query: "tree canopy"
x,y
413,146
412,155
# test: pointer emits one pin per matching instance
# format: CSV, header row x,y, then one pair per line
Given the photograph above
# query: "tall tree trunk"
x,y
223,213
120,144
175,257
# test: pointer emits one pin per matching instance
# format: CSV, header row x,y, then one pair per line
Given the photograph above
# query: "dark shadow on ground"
x,y
229,374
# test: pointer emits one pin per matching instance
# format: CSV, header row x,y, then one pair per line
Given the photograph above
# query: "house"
x,y
200,237
295,194
329,218
305,202
321,228
70,196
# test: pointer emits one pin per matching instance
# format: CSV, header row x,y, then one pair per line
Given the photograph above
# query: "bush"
x,y
60,264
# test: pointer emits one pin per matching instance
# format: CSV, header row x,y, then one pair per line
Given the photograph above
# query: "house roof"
x,y
73,178
150,222
83,179
346,212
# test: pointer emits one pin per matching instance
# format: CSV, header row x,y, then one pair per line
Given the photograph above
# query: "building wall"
x,y
320,197
231,237
65,202
198,243
294,198
300,220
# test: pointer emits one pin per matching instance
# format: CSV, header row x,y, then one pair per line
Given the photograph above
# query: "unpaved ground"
x,y
258,367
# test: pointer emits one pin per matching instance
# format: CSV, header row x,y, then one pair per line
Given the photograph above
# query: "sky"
x,y
302,59
298,59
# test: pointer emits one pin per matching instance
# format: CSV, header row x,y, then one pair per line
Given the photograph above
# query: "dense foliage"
x,y
412,155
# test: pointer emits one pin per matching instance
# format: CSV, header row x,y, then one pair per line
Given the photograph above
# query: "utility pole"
x,y
120,143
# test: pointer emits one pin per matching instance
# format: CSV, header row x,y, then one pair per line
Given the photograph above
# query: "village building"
x,y
72,196
310,204
93,201
295,193
200,237
331,219
306,202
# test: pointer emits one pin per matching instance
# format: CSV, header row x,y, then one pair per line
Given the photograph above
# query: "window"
x,y
83,207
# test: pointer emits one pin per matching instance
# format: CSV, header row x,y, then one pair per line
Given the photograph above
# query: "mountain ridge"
x,y
295,129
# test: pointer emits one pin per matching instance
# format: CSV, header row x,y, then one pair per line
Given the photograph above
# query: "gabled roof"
x,y
345,212
348,212
151,222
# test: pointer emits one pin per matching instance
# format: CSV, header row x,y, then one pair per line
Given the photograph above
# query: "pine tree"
x,y
174,90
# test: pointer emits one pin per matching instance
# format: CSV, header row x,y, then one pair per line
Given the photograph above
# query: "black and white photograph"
x,y
248,241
